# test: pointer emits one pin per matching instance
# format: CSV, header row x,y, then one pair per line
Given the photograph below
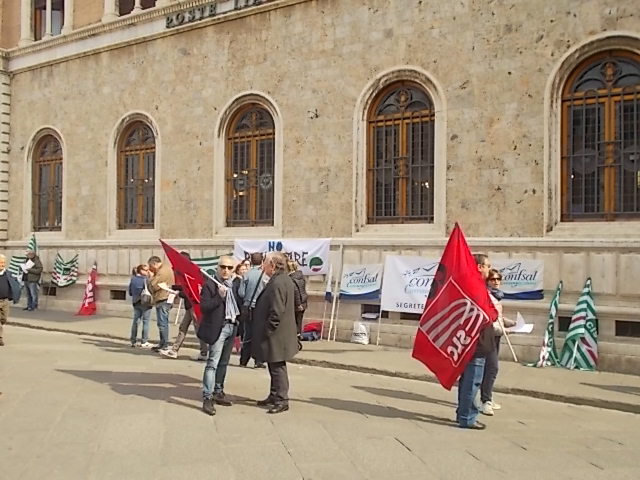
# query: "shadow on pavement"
x,y
615,388
402,395
118,347
374,410
154,386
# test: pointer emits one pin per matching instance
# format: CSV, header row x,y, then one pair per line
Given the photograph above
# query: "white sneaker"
x,y
486,409
169,353
200,358
146,345
495,406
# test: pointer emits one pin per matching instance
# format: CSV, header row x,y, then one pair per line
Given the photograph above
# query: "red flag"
x,y
187,275
458,308
88,306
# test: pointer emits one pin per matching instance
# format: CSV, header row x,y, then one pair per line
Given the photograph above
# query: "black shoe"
x,y
26,308
267,402
243,365
221,399
208,407
278,408
259,365
1,343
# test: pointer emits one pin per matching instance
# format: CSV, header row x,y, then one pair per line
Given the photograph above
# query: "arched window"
x,y
47,185
136,177
400,164
600,174
250,167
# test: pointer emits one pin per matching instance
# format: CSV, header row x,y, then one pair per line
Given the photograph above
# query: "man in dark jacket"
x,y
32,271
218,329
275,337
9,291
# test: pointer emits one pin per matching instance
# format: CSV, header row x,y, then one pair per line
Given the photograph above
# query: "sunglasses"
x,y
495,279
226,267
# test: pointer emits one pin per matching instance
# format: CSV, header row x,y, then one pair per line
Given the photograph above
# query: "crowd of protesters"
x,y
260,301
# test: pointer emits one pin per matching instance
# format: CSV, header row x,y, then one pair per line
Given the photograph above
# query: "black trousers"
x,y
247,335
279,389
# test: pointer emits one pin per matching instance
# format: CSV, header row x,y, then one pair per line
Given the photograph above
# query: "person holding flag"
x,y
32,271
161,277
456,330
220,316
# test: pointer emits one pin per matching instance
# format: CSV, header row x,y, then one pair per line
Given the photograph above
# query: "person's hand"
x,y
222,290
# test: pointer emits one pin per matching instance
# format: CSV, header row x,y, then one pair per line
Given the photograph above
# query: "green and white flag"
x,y
18,260
64,273
581,344
548,355
209,264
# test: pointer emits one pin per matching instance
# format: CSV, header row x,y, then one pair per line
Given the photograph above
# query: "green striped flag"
x,y
64,273
17,260
209,264
548,355
580,348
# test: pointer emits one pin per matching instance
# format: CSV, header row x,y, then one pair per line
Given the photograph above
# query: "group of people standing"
x,y
10,288
263,303
481,371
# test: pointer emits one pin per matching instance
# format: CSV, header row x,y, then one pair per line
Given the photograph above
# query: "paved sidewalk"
x,y
599,389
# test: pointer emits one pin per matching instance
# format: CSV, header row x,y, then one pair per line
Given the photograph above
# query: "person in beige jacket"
x,y
161,279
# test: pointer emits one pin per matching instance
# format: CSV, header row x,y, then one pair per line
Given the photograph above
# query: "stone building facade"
x,y
176,85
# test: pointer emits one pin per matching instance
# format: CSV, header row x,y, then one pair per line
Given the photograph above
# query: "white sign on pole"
x,y
406,283
311,254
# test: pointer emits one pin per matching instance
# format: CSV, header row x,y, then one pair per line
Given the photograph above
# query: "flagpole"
x,y
324,312
333,309
335,328
575,352
506,337
175,322
379,323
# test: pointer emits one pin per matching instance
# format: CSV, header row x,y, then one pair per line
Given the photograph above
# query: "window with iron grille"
x,y
600,175
136,177
250,168
400,163
47,185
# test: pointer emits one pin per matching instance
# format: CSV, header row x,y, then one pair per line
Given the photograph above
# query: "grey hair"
x,y
279,261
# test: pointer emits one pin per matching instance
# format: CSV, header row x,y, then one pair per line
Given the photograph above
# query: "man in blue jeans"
x,y
470,380
218,328
161,279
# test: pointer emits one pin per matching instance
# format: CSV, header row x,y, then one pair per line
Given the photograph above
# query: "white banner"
x,y
361,282
311,254
406,283
521,279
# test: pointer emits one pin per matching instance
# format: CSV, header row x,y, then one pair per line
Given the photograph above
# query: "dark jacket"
x,y
35,272
136,286
14,287
300,292
212,306
274,323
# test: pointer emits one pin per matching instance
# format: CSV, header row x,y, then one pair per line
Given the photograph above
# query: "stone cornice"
x,y
146,16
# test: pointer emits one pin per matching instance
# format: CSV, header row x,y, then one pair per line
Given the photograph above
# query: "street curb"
x,y
582,401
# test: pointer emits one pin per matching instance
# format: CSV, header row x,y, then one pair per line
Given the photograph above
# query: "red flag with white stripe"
x,y
458,308
88,306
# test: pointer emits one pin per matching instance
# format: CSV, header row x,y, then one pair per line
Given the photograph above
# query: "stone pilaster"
x,y
5,110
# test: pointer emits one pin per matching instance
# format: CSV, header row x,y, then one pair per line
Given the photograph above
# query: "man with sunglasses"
x,y
218,328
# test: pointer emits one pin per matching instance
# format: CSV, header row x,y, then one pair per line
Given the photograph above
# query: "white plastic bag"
x,y
360,333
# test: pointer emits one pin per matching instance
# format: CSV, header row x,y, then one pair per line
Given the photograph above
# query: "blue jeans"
x,y
162,317
32,295
468,386
217,361
140,314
